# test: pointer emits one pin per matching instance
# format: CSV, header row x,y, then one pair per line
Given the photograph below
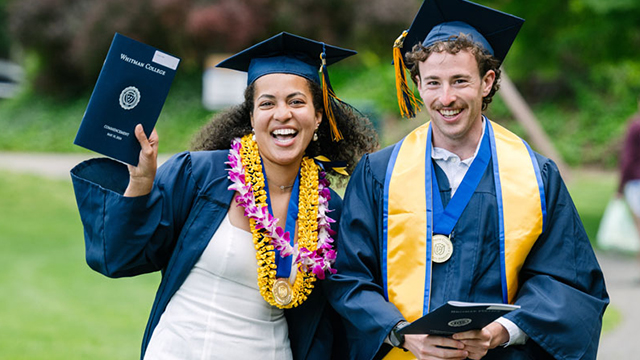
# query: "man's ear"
x,y
487,82
418,83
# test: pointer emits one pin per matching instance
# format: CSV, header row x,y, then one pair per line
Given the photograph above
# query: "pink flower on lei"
x,y
320,260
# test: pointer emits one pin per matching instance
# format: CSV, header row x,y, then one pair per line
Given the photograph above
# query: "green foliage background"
x,y
576,62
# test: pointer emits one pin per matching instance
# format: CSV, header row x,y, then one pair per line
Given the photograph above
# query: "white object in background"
x,y
222,88
617,230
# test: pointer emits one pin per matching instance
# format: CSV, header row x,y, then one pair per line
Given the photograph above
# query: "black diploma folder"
x,y
456,316
131,89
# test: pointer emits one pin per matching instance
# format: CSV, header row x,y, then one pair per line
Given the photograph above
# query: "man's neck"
x,y
464,147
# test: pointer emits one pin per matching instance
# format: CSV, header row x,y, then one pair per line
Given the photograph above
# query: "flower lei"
x,y
314,252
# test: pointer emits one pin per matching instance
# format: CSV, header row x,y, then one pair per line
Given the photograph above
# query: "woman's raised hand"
x,y
141,177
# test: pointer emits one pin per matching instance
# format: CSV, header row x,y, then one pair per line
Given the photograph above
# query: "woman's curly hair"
x,y
454,45
359,135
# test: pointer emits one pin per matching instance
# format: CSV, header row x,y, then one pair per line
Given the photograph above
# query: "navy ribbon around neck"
x,y
445,219
284,264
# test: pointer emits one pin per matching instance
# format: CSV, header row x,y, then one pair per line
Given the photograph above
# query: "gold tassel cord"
x,y
328,163
407,101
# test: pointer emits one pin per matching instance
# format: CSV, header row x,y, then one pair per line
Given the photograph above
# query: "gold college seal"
x,y
441,248
282,293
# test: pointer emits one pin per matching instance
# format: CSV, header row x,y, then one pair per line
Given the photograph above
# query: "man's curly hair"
x,y
454,45
359,135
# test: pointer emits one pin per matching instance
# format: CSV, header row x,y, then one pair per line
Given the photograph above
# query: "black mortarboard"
x,y
286,53
440,20
493,27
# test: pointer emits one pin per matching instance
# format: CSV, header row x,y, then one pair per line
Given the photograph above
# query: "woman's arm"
x,y
132,217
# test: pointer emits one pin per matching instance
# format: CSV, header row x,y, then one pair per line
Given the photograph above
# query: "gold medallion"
x,y
282,293
441,248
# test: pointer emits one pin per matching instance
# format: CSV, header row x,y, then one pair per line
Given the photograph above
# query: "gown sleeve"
x,y
128,236
354,290
562,293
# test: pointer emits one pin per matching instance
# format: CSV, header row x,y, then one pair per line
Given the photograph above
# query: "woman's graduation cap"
x,y
291,54
443,20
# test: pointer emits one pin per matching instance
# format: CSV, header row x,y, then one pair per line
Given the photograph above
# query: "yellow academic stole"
x,y
408,222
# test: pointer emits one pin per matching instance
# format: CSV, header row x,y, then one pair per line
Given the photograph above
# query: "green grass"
x,y
52,305
612,317
591,191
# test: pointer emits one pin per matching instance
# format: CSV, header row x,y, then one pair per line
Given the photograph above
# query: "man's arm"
x,y
356,291
561,271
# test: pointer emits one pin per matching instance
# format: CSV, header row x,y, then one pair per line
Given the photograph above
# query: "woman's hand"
x,y
141,177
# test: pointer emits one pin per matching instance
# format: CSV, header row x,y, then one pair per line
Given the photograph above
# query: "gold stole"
x,y
520,196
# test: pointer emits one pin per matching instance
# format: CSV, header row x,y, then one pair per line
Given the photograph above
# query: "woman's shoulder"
x,y
206,157
209,164
204,166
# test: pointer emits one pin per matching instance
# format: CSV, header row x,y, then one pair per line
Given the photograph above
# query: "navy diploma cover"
x,y
457,316
131,89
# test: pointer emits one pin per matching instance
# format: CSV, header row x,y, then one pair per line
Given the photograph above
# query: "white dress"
x,y
218,312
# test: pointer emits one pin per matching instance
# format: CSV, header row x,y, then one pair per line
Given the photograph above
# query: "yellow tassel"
x,y
328,97
407,101
341,170
328,163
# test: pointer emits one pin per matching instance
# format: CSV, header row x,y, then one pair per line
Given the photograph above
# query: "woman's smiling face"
x,y
283,118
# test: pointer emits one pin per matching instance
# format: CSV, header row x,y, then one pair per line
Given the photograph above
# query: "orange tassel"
x,y
330,100
407,101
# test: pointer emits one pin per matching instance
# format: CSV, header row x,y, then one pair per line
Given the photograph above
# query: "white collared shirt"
x,y
456,169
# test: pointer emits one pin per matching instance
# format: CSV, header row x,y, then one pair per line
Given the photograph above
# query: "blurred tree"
x,y
227,25
377,23
68,39
4,31
565,46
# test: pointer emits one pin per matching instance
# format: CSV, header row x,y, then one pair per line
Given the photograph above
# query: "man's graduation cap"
x,y
286,53
443,20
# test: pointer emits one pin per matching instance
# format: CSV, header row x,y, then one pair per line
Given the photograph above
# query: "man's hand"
x,y
431,347
141,177
478,342
465,345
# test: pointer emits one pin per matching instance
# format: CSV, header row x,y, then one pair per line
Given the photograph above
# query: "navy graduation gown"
x,y
562,290
168,229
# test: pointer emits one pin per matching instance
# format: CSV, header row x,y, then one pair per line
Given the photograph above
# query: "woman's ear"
x,y
319,113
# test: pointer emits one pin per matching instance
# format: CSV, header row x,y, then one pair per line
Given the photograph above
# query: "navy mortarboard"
x,y
291,54
442,20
